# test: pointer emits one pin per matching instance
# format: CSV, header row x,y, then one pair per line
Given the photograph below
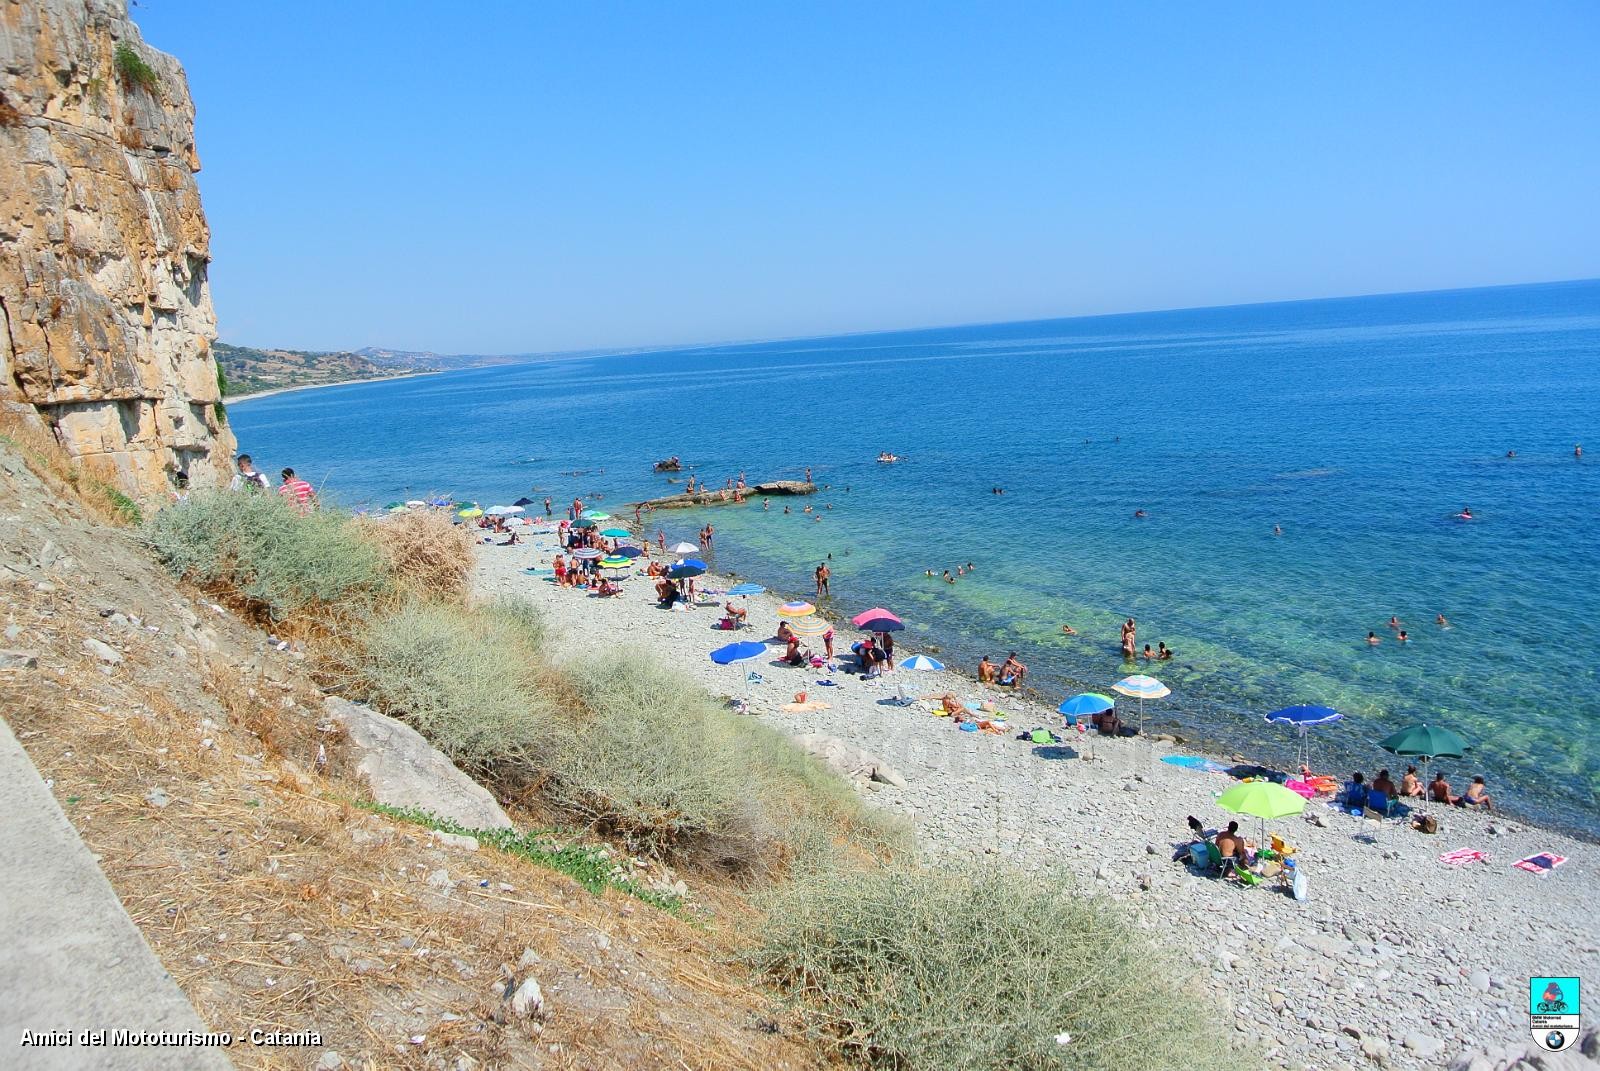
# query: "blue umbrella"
x,y
628,552
921,662
743,651
1086,704
1302,718
880,624
746,589
688,567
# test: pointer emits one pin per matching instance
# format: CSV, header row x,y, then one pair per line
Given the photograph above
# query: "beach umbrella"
x,y
687,567
615,533
742,651
504,511
1263,800
810,626
746,589
628,552
1085,704
1303,717
685,548
470,513
882,624
877,613
594,515
524,501
797,608
1425,742
587,554
395,505
583,524
616,563
921,662
1144,687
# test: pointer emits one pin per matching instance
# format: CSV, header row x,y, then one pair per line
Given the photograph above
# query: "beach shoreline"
x,y
253,395
1392,943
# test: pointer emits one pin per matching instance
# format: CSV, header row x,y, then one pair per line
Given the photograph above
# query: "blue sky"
x,y
517,177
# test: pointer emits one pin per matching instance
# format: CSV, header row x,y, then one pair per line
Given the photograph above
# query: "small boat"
x,y
887,458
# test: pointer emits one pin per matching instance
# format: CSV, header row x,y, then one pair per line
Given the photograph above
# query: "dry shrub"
x,y
9,116
971,967
49,461
427,554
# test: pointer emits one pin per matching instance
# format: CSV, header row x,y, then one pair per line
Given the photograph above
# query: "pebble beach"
x,y
1396,959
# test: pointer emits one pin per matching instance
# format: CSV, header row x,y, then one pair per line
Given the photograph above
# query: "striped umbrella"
x,y
810,626
616,563
918,661
587,554
797,608
1144,687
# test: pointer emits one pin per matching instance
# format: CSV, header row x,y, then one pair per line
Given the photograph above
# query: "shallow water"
x,y
1359,425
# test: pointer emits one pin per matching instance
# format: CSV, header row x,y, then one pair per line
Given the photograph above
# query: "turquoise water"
x,y
1361,426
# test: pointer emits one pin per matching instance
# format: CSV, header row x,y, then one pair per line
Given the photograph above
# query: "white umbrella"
x,y
685,548
504,511
1144,687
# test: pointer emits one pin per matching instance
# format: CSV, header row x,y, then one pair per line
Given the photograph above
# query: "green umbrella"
x,y
583,524
1263,800
1425,741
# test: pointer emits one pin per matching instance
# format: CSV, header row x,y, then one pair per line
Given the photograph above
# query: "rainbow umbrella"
x,y
616,563
810,626
797,608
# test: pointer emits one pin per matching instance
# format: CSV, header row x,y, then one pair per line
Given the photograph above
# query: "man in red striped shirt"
x,y
297,491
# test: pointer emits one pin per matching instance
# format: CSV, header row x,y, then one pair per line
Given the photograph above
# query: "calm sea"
x,y
1361,426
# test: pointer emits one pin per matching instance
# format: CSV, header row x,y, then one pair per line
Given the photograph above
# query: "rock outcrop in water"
x,y
106,320
713,496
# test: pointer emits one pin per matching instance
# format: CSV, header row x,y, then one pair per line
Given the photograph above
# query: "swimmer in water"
x,y
1441,622
948,579
1577,450
1139,514
1068,630
1511,453
1164,654
1465,514
1372,639
1277,529
1403,638
1394,622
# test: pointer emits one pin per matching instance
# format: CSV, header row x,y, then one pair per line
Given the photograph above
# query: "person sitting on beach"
x,y
1012,671
609,588
512,539
666,593
784,632
1232,848
793,654
1439,789
985,670
1477,795
1411,784
1385,784
735,613
954,707
1164,654
1355,793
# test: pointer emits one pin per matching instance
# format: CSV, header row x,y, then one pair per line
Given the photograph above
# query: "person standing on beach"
x,y
547,505
822,580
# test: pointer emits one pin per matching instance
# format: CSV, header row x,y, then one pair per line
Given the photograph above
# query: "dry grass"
x,y
428,555
50,462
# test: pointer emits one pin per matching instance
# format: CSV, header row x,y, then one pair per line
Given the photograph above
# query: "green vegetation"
x,y
954,968
259,548
123,508
222,392
591,866
134,71
248,369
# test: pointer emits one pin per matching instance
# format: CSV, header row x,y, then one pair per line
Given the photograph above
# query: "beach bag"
x,y
1427,823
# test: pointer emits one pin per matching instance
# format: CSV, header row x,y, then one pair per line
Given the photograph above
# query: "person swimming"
x,y
1394,622
1163,653
1465,514
1139,514
1277,529
1372,639
1068,630
1441,621
1402,637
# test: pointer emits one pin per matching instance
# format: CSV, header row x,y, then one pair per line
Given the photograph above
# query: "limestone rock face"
x,y
106,321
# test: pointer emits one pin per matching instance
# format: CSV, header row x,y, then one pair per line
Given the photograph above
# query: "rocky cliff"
x,y
104,248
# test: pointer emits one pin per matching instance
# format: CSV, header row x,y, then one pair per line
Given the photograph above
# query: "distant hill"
x,y
248,370
419,360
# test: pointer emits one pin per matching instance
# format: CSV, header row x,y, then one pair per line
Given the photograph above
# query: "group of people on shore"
x,y
300,494
1358,793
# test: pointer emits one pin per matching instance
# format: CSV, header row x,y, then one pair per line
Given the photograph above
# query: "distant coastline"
x,y
318,386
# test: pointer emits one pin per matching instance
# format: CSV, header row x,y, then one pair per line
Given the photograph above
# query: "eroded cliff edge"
x,y
106,320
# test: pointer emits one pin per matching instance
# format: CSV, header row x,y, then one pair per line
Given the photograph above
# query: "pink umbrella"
x,y
877,613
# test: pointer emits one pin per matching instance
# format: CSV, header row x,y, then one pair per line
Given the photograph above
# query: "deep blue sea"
x,y
1362,426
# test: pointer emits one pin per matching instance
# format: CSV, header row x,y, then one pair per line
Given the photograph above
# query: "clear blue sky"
x,y
515,177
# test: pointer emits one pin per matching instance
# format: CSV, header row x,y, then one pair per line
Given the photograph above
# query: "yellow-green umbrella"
x,y
1263,800
469,514
616,563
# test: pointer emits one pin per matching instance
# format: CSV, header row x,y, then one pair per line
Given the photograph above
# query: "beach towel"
x,y
968,727
1542,863
1462,856
796,708
1302,788
1194,762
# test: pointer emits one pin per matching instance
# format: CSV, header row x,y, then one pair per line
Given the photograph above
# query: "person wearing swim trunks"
x,y
1477,795
985,670
1012,671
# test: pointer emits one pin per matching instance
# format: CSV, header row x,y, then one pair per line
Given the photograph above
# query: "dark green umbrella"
x,y
583,524
1425,741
